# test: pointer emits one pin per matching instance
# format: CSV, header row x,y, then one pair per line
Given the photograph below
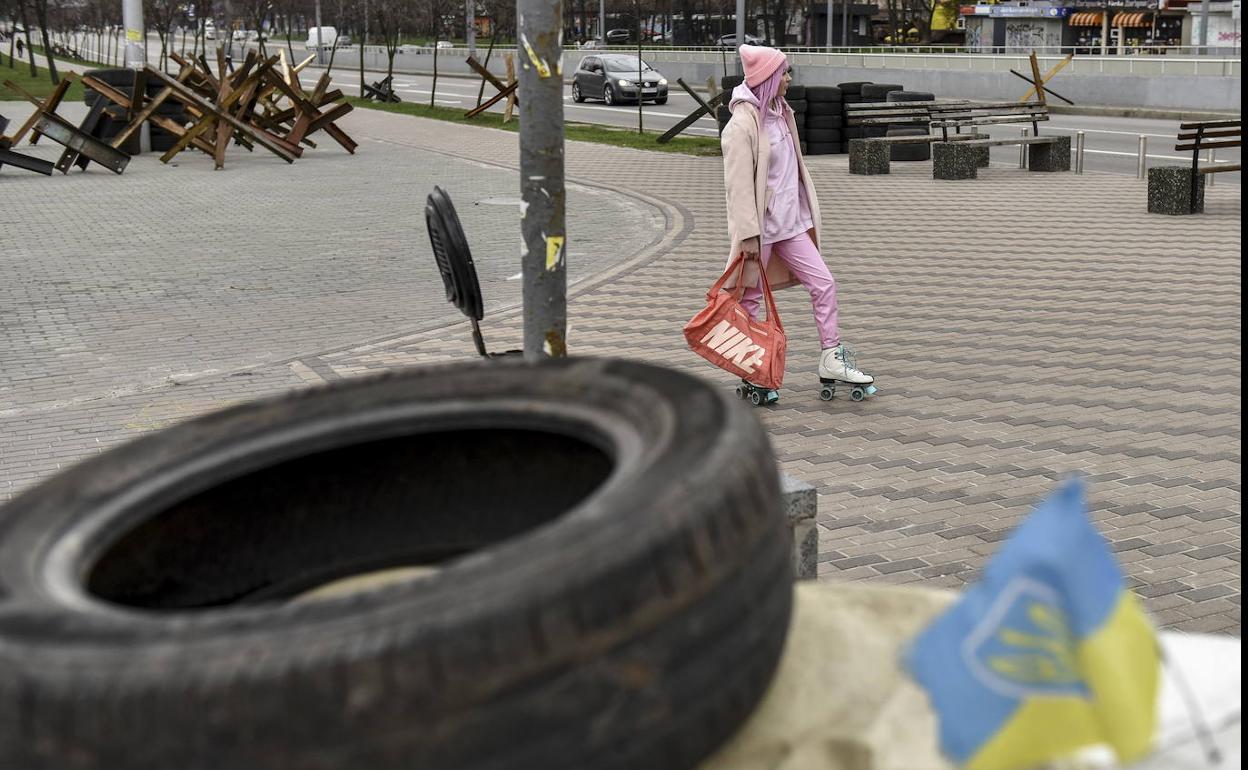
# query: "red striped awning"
x,y
1086,19
1133,19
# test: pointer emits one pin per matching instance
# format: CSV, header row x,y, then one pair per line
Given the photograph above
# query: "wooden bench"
x,y
871,155
962,159
1181,189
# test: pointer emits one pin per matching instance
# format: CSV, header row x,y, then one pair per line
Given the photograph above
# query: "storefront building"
x,y
1083,27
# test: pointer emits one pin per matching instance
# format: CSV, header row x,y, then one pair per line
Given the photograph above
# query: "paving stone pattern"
x,y
1021,328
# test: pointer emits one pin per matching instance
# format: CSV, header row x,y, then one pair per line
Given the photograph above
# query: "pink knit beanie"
x,y
760,62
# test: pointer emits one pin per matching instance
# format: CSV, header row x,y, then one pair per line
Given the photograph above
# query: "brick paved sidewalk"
x,y
1021,326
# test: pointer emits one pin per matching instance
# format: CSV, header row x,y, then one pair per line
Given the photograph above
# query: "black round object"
x,y
453,257
795,93
723,113
831,148
805,150
823,135
909,96
115,77
824,108
849,98
871,131
853,87
729,82
878,91
853,132
823,94
825,121
800,106
610,581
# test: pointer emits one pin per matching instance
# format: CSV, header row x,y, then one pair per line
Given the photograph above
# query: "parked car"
x,y
444,44
730,41
613,78
210,30
594,44
618,36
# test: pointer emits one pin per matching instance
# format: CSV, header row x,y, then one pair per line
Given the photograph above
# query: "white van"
x,y
328,36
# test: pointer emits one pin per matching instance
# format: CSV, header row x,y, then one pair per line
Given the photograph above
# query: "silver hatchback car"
x,y
614,79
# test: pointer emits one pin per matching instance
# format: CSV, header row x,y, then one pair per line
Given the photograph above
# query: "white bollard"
x,y
1078,152
1022,152
1210,177
1141,169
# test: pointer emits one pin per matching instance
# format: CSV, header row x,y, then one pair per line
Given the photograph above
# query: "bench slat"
x,y
1217,169
986,142
988,121
1209,134
1210,124
1207,145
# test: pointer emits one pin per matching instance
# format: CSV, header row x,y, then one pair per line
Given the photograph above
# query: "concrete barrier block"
x,y
867,157
955,160
1170,191
801,504
1052,156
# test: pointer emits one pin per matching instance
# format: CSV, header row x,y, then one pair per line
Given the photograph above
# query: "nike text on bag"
x,y
724,334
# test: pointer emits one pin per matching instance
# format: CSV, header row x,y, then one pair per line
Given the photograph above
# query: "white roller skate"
x,y
836,366
756,395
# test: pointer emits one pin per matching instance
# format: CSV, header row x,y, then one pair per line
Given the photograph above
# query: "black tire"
x,y
852,98
853,132
905,152
823,94
624,603
162,140
113,77
729,82
878,91
824,108
823,135
909,96
805,148
608,95
577,96
799,107
831,148
795,93
723,114
853,87
661,100
825,121
875,131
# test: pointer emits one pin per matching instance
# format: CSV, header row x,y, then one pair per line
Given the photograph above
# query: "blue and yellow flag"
x,y
1048,654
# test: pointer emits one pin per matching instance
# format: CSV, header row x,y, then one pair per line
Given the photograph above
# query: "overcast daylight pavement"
x,y
1021,327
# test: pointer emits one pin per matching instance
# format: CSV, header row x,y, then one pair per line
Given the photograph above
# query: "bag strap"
x,y
773,315
737,264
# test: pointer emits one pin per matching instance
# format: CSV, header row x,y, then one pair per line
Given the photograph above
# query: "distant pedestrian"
x,y
772,208
19,46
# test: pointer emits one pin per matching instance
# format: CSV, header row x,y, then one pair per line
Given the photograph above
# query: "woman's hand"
x,y
750,248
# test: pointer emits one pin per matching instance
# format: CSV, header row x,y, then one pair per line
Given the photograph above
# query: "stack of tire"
x,y
877,93
909,151
114,119
722,113
825,120
851,93
796,97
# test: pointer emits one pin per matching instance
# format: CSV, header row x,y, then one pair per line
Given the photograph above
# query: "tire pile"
x,y
797,99
114,119
851,93
909,151
722,113
825,123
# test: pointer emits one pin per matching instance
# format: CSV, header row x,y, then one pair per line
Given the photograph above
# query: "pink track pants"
x,y
803,259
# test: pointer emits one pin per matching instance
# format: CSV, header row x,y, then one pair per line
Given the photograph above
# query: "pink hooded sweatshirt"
x,y
788,214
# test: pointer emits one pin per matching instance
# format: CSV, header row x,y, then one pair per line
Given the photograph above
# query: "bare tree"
x,y
160,15
390,15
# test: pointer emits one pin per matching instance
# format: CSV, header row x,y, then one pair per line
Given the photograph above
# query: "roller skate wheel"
x,y
826,393
772,396
857,394
870,390
756,398
741,393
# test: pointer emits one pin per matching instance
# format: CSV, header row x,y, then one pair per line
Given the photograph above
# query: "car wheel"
x,y
577,96
661,100
608,95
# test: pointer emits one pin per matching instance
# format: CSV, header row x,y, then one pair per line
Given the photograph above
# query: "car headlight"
x,y
662,81
623,82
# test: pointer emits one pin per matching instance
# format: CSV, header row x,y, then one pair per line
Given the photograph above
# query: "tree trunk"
x,y
434,90
30,49
361,70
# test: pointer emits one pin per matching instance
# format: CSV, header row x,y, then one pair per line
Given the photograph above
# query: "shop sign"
x,y
1014,11
1102,4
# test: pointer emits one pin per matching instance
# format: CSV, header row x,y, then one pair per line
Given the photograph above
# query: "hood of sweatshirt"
x,y
742,93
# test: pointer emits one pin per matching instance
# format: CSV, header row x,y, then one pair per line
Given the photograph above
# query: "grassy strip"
x,y
39,86
80,62
578,132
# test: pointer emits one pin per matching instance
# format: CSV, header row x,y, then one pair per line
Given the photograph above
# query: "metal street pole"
x,y
1204,28
602,21
136,53
829,41
740,33
845,23
320,44
544,259
470,34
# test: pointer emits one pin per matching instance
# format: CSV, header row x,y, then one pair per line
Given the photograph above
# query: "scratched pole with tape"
x,y
542,222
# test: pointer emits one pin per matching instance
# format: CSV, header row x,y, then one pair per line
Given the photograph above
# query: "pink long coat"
x,y
747,154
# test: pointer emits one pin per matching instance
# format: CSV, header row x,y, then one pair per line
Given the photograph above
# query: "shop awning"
x,y
1133,19
1086,19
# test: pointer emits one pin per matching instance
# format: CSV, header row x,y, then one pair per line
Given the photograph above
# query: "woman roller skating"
x,y
773,212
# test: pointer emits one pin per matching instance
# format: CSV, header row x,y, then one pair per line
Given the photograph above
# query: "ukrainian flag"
x,y
1049,654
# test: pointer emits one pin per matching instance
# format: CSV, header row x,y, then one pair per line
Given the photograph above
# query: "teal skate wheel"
x,y
772,396
870,390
